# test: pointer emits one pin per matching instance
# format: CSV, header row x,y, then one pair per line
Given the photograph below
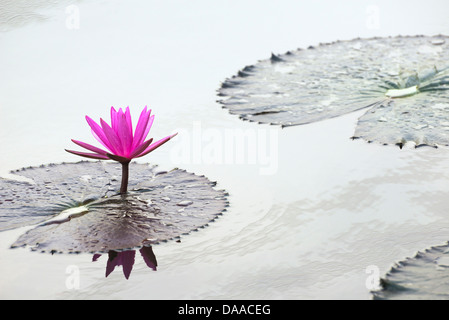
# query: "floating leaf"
x,y
403,79
425,276
99,219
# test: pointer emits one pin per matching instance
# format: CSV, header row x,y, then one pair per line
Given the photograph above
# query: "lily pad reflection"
x,y
403,79
424,277
158,207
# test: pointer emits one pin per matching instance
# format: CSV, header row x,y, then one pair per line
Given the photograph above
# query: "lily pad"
x,y
80,209
403,80
423,277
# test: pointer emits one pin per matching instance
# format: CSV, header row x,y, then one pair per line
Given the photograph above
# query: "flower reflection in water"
x,y
126,259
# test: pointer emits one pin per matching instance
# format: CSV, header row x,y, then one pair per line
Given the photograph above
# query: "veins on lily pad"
x,y
402,81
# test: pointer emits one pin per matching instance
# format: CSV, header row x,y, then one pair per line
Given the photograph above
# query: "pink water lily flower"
x,y
121,143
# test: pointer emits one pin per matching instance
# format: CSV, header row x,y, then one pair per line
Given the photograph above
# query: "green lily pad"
x,y
402,80
80,209
423,277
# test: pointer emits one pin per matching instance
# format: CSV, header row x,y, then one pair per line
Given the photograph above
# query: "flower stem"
x,y
125,175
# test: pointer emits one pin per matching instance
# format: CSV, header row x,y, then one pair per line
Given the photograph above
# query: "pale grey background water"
x,y
330,208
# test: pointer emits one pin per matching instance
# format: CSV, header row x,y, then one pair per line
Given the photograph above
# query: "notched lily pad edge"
x,y
401,144
35,248
52,164
386,284
244,72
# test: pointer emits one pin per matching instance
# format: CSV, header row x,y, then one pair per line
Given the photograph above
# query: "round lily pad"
x,y
80,209
402,80
423,277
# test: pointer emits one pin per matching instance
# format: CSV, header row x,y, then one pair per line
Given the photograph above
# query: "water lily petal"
x,y
147,129
98,133
89,147
140,148
129,121
89,155
124,133
117,158
156,145
112,138
141,126
114,119
99,140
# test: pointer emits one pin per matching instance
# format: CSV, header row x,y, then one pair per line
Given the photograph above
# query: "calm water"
x,y
311,210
